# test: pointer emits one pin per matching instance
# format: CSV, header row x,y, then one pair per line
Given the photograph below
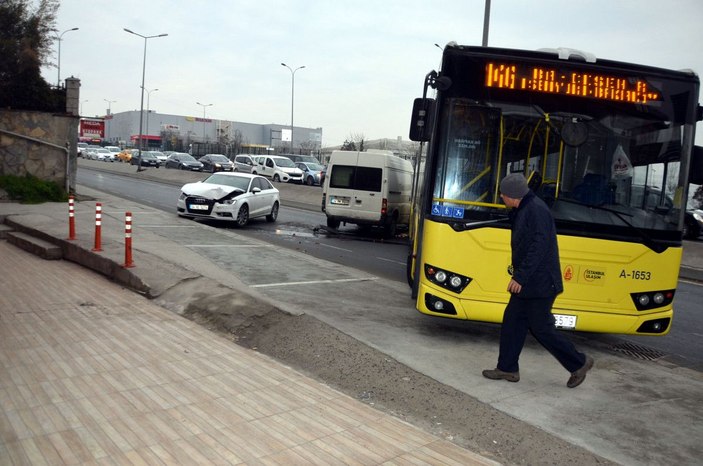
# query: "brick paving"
x,y
92,373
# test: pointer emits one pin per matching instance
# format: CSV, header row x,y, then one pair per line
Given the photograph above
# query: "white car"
x,y
231,196
102,155
279,168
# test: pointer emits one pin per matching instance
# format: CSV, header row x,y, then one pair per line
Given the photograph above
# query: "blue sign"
x,y
458,212
447,211
436,209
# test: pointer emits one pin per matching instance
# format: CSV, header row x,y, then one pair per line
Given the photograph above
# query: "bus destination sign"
x,y
542,79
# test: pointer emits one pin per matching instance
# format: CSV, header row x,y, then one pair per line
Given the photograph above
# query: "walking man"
x,y
535,284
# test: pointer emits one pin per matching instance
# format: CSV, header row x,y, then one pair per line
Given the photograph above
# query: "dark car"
x,y
183,161
147,159
216,163
693,224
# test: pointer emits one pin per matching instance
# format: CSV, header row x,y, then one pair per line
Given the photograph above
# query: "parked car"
x,y
301,158
146,160
312,172
245,163
235,197
102,155
159,155
183,161
280,168
80,147
216,163
126,155
114,149
693,224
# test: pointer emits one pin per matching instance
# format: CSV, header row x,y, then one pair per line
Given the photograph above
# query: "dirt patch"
x,y
330,356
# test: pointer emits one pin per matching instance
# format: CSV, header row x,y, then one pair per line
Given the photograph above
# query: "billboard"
x,y
92,129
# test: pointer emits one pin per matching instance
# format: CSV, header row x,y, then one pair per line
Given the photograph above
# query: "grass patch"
x,y
32,190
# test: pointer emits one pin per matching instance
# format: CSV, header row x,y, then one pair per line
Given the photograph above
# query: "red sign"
x,y
92,128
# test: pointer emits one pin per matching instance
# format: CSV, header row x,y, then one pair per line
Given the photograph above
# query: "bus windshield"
x,y
604,165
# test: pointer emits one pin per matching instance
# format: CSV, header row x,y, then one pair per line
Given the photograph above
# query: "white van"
x,y
367,188
279,168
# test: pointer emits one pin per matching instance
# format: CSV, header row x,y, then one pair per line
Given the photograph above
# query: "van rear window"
x,y
359,178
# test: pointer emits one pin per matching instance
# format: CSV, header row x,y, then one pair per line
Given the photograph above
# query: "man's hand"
x,y
514,287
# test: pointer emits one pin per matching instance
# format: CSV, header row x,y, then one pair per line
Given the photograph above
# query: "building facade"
x,y
180,133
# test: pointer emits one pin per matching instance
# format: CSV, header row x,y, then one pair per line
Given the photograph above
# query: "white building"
x,y
176,132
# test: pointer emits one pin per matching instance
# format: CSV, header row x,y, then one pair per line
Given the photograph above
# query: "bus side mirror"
x,y
421,121
695,174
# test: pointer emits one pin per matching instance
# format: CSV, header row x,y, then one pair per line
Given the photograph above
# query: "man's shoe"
x,y
497,374
577,377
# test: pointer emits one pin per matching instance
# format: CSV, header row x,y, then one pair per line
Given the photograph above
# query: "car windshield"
x,y
148,155
218,158
102,151
235,181
314,166
285,162
184,157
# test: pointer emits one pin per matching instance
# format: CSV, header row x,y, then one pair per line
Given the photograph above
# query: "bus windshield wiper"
x,y
652,244
464,226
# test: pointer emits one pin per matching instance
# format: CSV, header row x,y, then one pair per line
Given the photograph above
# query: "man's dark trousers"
x,y
534,314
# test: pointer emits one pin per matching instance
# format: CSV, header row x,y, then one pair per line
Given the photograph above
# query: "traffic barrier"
x,y
128,240
71,218
98,224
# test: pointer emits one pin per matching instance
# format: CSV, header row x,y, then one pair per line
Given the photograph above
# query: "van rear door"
x,y
354,192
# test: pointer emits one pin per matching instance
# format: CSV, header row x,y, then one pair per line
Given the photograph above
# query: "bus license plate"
x,y
564,321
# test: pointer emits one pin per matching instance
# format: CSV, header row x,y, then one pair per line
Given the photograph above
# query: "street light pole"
x,y
148,98
81,109
203,105
141,108
58,64
292,98
109,105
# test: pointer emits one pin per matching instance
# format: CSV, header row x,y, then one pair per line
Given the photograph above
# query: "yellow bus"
x,y
609,146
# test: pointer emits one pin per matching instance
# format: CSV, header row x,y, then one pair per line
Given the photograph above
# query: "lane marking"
x,y
167,226
335,247
315,282
390,260
228,245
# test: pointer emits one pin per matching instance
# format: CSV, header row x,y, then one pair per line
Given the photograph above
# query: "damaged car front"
x,y
233,197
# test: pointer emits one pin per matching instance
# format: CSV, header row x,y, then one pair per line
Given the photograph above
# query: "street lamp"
x,y
58,64
148,98
292,98
109,105
81,109
141,108
203,105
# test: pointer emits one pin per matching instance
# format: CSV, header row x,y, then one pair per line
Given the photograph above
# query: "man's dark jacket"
x,y
535,253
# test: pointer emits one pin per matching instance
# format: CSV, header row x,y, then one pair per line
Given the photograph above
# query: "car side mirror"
x,y
256,190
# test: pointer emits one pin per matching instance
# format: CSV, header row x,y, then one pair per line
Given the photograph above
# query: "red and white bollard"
x,y
98,229
71,218
128,240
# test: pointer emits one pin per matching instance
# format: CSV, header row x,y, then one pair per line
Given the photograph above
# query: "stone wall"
x,y
27,146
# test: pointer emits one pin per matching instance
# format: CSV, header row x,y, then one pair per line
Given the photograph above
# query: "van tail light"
x,y
384,206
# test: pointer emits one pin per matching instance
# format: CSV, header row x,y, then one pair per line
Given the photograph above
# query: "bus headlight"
x,y
446,279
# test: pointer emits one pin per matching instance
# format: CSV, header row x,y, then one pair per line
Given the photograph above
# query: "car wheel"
x,y
309,181
332,223
276,178
243,216
690,230
274,213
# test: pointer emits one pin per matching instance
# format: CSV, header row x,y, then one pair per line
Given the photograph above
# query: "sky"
x,y
365,60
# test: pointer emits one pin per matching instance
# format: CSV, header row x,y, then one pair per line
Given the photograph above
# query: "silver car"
x,y
312,172
245,164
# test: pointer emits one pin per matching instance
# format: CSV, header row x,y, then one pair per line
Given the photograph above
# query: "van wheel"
x,y
276,178
391,227
332,223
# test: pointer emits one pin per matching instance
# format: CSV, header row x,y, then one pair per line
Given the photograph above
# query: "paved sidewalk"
x,y
92,373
